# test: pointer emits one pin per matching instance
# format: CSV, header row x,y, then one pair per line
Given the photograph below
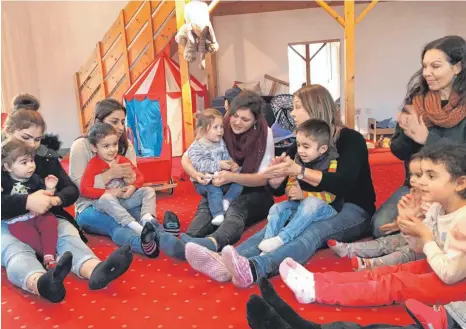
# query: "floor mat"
x,y
164,293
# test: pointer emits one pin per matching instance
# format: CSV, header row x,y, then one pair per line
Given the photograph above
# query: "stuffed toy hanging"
x,y
197,34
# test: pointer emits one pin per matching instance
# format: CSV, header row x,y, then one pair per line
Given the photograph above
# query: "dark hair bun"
x,y
25,101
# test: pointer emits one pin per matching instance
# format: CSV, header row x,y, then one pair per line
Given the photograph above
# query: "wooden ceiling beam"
x,y
227,8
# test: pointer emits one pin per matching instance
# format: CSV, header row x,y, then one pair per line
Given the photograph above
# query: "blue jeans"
x,y
215,196
350,224
388,212
94,221
21,262
302,214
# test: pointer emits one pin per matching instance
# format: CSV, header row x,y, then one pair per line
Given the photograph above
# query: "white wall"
x,y
44,43
49,43
18,61
388,45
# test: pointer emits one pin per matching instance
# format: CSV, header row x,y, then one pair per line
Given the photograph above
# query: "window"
x,y
315,63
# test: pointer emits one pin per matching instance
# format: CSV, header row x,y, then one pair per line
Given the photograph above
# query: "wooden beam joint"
x,y
297,53
332,11
366,11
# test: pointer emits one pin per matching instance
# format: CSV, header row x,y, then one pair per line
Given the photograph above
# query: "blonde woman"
x,y
352,181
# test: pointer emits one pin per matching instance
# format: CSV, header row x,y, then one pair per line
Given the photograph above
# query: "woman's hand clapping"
x,y
413,125
282,166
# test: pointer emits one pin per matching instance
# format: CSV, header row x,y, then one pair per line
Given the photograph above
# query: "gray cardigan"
x,y
404,147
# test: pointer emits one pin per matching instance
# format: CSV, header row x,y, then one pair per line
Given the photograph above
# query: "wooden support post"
x,y
349,63
211,68
308,65
151,27
188,131
125,51
331,11
99,56
78,101
366,11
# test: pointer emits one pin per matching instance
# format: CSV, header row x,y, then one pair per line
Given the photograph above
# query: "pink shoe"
x,y
426,315
207,262
238,266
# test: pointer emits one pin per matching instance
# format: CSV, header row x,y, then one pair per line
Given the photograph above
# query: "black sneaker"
x,y
171,223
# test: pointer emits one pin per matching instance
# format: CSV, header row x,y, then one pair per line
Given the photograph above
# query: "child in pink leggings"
x,y
440,278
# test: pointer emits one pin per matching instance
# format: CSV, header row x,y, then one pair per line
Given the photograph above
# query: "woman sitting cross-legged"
x,y
351,181
249,142
23,269
92,219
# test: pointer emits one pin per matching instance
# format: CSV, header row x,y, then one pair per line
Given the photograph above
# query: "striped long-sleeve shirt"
x,y
322,195
325,163
206,156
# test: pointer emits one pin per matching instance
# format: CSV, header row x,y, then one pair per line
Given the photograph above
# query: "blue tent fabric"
x,y
145,120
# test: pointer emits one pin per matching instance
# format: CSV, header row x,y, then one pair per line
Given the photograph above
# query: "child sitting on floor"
x,y
392,249
306,204
18,177
119,195
438,279
209,154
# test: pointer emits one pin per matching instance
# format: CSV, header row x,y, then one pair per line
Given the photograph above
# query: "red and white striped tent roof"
x,y
161,82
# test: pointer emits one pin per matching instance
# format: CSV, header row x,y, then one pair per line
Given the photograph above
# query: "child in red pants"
x,y
441,278
18,177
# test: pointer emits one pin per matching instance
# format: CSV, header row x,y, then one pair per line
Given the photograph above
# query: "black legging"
x,y
270,312
250,207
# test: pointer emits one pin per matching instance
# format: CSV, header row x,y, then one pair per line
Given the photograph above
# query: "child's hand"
x,y
413,226
201,178
409,204
130,179
128,192
390,227
295,192
234,166
226,164
51,182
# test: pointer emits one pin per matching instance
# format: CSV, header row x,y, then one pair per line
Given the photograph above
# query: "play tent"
x,y
154,100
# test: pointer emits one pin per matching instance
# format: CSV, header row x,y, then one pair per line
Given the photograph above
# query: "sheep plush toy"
x,y
197,34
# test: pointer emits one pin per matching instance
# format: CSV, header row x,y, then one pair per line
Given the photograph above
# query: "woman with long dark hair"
x,y
90,219
23,269
434,108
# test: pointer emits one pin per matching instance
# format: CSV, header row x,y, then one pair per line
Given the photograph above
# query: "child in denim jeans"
x,y
392,249
209,154
306,203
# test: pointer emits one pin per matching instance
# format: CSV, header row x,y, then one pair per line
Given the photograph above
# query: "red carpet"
x,y
163,293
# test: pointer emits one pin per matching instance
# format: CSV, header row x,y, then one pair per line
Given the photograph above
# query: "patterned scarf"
x,y
247,149
429,106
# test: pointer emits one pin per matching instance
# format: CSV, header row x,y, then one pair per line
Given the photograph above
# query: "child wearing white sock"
x,y
440,278
209,155
306,204
119,195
